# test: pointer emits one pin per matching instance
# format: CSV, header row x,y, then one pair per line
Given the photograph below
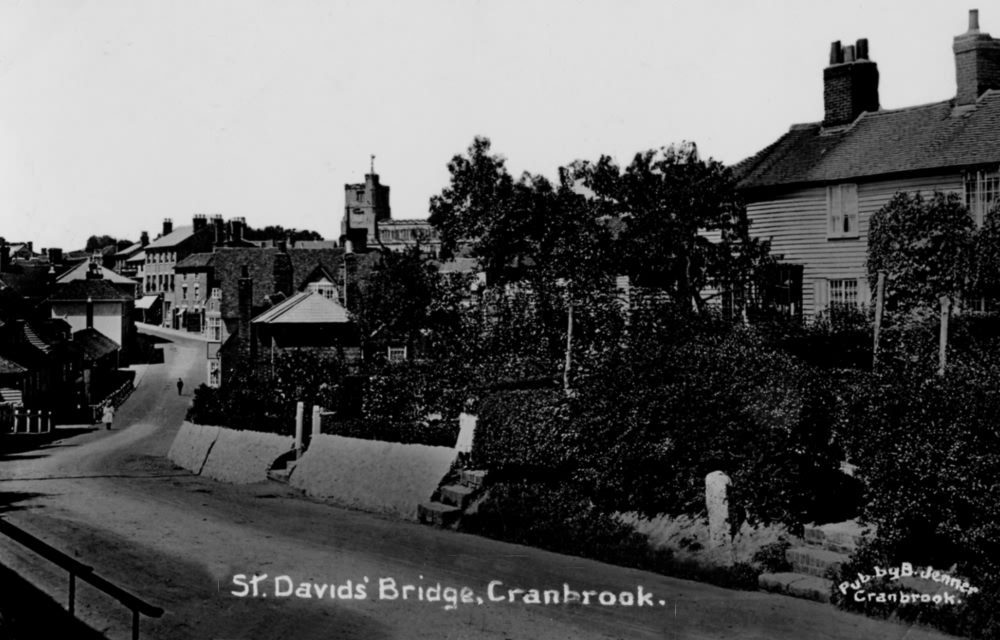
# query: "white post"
x,y
718,509
315,421
299,409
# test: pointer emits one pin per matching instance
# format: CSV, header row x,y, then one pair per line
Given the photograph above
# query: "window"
x,y
844,292
842,211
216,293
982,193
360,196
171,281
397,354
214,373
215,329
197,291
184,292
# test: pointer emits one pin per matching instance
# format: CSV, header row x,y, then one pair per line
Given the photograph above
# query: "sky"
x,y
116,114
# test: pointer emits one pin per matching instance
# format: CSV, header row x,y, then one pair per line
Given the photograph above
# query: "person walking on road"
x,y
109,416
180,387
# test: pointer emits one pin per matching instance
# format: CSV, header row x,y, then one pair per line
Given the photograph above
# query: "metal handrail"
x,y
84,572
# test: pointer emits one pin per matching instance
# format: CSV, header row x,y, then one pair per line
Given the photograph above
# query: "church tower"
x,y
365,204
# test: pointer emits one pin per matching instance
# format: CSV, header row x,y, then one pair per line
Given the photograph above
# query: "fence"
x,y
23,420
76,570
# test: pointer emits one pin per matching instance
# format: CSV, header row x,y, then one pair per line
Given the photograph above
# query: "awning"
x,y
146,302
8,395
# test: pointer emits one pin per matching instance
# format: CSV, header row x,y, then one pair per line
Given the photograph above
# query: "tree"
x,y
685,229
96,243
985,266
924,246
278,233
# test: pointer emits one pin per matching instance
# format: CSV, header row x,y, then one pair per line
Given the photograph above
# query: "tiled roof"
x,y
9,366
10,395
124,253
929,137
305,308
79,272
139,257
173,238
93,289
195,261
316,244
407,222
30,281
94,344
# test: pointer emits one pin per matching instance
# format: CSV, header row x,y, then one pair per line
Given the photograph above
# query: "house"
x,y
43,367
368,222
94,269
30,280
813,191
126,262
97,304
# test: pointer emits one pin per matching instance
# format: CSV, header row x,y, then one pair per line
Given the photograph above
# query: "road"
x,y
177,540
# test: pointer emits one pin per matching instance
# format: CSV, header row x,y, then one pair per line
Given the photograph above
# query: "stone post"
x,y
716,484
315,422
299,410
466,432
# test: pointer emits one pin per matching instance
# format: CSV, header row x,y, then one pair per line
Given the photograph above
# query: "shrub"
x,y
434,433
558,517
771,557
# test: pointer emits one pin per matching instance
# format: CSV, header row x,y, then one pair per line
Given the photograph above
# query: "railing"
x,y
85,573
115,400
31,421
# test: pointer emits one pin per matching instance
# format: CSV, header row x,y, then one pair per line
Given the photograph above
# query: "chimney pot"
x,y
861,49
168,226
849,53
850,85
835,53
973,20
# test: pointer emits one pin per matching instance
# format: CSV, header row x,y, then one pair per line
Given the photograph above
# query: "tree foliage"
x,y
96,243
685,227
923,245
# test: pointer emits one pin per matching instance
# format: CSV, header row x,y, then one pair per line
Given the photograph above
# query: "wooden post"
x,y
299,409
879,305
72,593
945,308
569,348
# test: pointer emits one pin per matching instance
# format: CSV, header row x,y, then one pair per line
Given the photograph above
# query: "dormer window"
x,y
842,211
982,193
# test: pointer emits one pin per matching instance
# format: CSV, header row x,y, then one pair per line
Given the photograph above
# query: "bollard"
x,y
299,409
466,432
33,421
716,484
315,422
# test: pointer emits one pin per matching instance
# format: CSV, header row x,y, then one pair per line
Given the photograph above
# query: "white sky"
x,y
117,113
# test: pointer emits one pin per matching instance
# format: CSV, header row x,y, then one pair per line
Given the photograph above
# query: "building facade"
x,y
814,190
368,222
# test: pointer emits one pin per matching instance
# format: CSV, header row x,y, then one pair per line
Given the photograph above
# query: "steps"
x,y
822,548
281,474
450,501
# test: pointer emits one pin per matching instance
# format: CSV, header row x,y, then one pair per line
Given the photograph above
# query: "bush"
x,y
927,450
434,433
771,557
558,517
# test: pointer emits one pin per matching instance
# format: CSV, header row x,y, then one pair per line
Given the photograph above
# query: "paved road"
x,y
178,541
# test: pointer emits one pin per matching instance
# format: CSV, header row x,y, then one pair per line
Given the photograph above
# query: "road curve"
x,y
178,541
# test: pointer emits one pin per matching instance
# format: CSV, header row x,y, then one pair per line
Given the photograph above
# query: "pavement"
x,y
194,547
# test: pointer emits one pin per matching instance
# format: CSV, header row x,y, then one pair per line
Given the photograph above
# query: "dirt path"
x,y
178,540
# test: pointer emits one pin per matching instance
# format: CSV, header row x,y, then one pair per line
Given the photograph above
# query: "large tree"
x,y
277,233
684,225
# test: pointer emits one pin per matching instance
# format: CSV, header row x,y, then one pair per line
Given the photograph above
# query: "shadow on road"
x,y
10,498
17,443
27,613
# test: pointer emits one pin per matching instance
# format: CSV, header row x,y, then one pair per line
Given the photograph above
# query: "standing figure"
x,y
109,416
180,387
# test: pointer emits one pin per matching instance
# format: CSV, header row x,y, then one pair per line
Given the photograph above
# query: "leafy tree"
x,y
985,268
95,243
278,233
685,227
924,246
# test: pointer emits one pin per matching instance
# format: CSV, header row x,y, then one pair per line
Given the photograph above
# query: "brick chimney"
x,y
199,222
850,84
144,239
168,226
220,230
4,257
977,62
244,301
282,271
236,229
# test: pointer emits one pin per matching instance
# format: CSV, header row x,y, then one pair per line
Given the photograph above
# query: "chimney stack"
x,y
977,62
168,226
144,239
220,230
850,84
55,256
236,228
244,299
199,222
282,272
4,257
